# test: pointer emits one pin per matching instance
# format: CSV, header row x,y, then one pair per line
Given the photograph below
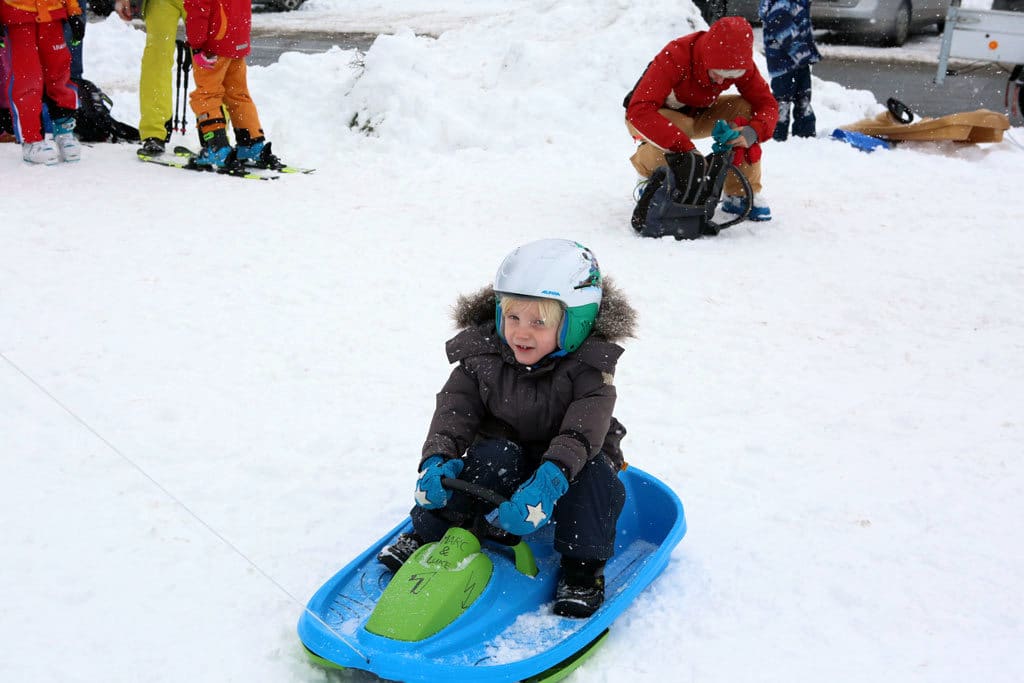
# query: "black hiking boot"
x,y
394,556
580,590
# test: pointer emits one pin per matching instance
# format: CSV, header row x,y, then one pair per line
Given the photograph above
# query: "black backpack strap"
x,y
721,166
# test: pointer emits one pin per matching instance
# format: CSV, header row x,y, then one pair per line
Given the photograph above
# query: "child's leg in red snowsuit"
x,y
40,62
60,92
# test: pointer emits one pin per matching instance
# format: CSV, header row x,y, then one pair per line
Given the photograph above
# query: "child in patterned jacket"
x,y
790,50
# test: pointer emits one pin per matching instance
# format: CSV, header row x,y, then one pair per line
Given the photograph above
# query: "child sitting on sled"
x,y
527,412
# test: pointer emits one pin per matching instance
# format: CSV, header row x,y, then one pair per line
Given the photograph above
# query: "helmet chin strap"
x,y
562,333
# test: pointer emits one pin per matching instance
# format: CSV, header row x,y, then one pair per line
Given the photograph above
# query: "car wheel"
x,y
899,30
287,5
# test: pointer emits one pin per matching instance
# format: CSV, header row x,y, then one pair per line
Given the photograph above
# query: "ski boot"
x,y
255,151
42,152
580,590
215,152
258,154
64,139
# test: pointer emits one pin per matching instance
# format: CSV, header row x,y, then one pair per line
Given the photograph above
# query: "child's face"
x,y
720,76
527,334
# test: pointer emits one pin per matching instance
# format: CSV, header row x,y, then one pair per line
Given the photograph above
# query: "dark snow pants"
x,y
584,517
793,90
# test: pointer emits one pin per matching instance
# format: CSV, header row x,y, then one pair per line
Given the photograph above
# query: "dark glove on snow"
x,y
77,24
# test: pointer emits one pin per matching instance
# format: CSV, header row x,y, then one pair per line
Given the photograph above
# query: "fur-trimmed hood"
x,y
616,319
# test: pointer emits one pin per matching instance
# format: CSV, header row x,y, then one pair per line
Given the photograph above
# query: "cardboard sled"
x,y
981,125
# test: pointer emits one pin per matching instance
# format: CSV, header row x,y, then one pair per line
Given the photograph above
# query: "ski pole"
x,y
184,104
177,83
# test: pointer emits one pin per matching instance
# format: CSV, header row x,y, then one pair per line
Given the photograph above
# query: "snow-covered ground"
x,y
213,391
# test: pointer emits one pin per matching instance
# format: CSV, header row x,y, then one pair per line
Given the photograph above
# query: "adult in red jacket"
x,y
679,98
218,32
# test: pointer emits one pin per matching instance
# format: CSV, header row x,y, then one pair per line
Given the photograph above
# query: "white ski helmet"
x,y
558,269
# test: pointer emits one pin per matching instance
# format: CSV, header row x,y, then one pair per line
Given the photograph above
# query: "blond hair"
x,y
550,309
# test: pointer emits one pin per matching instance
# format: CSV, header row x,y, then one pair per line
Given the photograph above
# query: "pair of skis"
x,y
185,159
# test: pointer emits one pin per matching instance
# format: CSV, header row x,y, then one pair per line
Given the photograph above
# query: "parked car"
x,y
743,8
888,22
713,10
102,8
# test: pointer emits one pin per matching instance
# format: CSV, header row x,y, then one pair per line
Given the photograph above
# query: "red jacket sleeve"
x,y
763,105
650,95
197,22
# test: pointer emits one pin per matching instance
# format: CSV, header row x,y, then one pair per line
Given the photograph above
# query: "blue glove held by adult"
x,y
430,495
532,504
723,133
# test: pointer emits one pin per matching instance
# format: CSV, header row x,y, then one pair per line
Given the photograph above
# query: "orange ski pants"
x,y
224,84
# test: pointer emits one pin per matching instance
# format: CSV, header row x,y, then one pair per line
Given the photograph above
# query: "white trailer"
x,y
981,34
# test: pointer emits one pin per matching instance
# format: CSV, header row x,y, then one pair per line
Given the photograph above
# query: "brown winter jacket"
x,y
560,409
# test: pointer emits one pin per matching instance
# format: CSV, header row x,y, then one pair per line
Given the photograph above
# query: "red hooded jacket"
x,y
678,78
219,27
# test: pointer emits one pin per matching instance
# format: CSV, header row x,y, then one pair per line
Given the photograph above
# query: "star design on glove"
x,y
535,514
421,498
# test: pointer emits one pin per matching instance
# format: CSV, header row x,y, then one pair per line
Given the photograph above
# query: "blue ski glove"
x,y
531,506
430,495
723,133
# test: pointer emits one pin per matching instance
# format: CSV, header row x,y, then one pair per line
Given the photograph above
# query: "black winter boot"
x,y
395,555
805,124
782,127
152,147
580,590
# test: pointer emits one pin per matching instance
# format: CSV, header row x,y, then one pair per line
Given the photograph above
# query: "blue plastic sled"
x,y
509,633
861,141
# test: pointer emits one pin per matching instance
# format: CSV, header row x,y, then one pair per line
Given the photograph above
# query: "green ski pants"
x,y
155,82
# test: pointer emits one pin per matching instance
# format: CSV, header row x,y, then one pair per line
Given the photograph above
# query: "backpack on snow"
x,y
93,122
680,197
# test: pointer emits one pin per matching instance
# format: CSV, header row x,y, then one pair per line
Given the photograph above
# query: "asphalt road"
x,y
267,47
981,87
913,83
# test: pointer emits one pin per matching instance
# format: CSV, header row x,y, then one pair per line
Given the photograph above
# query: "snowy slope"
x,y
213,392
